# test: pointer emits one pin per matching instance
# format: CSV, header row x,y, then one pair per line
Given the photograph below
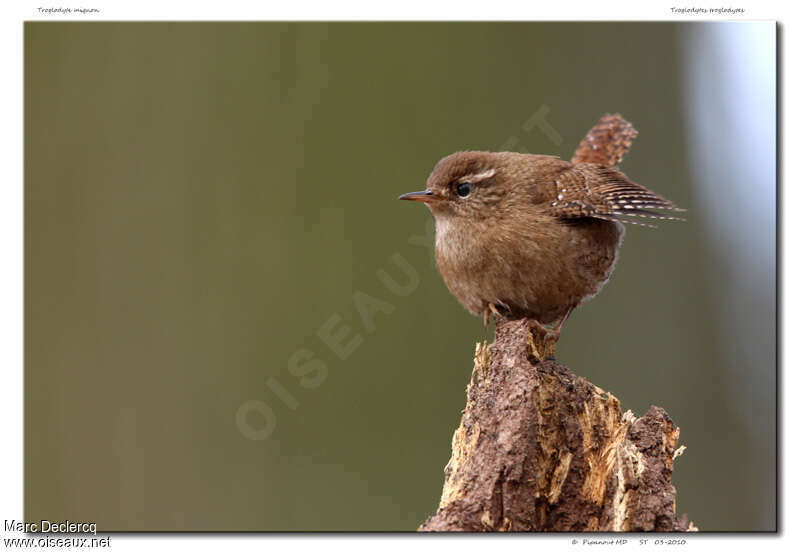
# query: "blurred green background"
x,y
201,198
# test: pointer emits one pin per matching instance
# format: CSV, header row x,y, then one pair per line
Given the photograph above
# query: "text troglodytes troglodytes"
x,y
533,236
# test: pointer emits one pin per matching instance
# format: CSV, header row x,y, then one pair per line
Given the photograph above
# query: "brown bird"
x,y
533,236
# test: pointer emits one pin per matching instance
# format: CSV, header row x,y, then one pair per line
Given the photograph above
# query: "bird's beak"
x,y
424,196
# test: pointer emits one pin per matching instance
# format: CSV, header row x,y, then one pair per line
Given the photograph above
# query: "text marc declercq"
x,y
60,527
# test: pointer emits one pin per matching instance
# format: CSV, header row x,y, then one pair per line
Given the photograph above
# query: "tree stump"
x,y
540,449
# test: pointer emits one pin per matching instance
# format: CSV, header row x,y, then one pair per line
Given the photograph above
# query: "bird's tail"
x,y
607,142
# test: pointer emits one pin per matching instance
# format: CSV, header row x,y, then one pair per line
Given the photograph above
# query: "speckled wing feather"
x,y
589,190
607,142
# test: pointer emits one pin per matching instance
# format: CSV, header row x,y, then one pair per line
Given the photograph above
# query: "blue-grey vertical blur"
x,y
231,323
731,134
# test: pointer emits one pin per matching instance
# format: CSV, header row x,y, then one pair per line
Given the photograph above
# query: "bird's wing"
x,y
589,190
607,142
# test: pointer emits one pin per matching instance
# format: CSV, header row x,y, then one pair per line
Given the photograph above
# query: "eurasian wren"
x,y
533,236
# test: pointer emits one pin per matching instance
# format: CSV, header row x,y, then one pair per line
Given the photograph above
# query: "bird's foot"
x,y
491,309
546,334
543,339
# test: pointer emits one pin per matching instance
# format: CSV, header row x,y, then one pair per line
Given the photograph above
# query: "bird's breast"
x,y
533,268
459,247
467,262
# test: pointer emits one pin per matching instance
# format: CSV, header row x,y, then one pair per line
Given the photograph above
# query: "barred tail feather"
x,y
647,214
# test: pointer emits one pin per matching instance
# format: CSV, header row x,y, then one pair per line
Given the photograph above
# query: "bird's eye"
x,y
463,189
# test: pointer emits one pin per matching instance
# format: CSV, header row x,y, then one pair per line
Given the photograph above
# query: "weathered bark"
x,y
540,449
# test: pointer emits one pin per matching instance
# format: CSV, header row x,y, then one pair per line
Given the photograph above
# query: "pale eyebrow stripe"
x,y
477,177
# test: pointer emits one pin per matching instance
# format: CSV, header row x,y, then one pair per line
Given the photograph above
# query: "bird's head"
x,y
470,185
